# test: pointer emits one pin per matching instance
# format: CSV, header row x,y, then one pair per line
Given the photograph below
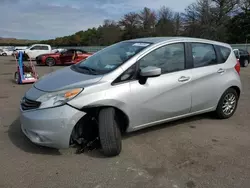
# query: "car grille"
x,y
28,104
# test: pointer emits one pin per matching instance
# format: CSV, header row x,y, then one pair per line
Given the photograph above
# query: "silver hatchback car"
x,y
129,86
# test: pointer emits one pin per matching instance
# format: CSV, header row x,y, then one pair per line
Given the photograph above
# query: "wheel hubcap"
x,y
50,62
229,104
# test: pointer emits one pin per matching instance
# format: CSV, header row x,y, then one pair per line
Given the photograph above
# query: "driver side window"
x,y
169,58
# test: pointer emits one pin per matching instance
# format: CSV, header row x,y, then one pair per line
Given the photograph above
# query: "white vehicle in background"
x,y
58,50
20,48
6,52
37,49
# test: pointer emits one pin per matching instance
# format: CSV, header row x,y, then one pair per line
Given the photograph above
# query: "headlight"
x,y
58,98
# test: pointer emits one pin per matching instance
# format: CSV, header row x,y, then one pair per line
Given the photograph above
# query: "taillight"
x,y
237,66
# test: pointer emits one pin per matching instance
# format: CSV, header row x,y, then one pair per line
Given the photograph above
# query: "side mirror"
x,y
150,72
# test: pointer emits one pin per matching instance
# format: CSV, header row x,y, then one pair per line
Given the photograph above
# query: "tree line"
x,y
222,20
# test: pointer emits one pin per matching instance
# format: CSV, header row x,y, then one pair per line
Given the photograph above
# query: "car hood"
x,y
65,78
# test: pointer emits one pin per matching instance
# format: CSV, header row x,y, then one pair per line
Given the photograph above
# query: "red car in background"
x,y
66,57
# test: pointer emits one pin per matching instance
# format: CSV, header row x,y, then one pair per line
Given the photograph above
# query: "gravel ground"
x,y
196,152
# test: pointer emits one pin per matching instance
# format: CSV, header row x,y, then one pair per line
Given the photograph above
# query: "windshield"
x,y
111,57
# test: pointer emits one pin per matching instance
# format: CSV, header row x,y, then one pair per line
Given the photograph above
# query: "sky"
x,y
48,19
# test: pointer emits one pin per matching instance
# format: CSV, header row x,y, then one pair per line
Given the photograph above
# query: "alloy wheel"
x,y
229,104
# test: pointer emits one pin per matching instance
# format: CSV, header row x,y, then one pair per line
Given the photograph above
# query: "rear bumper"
x,y
50,127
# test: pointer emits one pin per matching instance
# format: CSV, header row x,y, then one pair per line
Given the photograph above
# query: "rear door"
x,y
207,76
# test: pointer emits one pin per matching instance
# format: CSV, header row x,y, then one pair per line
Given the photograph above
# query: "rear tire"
x,y
17,77
50,61
228,104
245,64
109,133
4,54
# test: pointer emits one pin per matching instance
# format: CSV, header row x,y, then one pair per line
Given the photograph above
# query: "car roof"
x,y
156,40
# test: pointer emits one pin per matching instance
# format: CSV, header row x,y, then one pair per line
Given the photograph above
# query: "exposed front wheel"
x,y
109,132
50,61
227,104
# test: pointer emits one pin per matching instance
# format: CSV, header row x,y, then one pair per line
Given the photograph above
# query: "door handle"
x,y
183,79
221,71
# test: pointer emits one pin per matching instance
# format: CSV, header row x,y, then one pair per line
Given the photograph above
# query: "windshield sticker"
x,y
141,44
110,66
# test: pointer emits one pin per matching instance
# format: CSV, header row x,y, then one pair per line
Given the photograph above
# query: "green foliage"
x,y
239,27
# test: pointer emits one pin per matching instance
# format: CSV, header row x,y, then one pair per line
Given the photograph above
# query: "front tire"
x,y
4,54
50,61
109,132
228,104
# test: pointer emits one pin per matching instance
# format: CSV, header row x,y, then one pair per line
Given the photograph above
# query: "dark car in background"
x,y
243,56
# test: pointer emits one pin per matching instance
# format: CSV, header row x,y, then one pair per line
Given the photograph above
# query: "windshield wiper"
x,y
90,70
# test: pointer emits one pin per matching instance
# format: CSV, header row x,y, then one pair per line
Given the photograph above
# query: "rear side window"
x,y
203,54
243,52
225,52
44,47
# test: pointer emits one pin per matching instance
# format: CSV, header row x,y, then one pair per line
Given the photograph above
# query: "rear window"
x,y
243,52
225,53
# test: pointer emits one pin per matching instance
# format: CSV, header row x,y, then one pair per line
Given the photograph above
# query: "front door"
x,y
66,57
33,52
163,97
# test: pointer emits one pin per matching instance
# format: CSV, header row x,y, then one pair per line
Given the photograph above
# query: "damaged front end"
x,y
85,136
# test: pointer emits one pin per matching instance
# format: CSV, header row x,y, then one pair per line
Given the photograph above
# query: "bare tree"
x,y
222,9
165,25
177,24
110,32
147,18
130,25
130,20
244,5
191,17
